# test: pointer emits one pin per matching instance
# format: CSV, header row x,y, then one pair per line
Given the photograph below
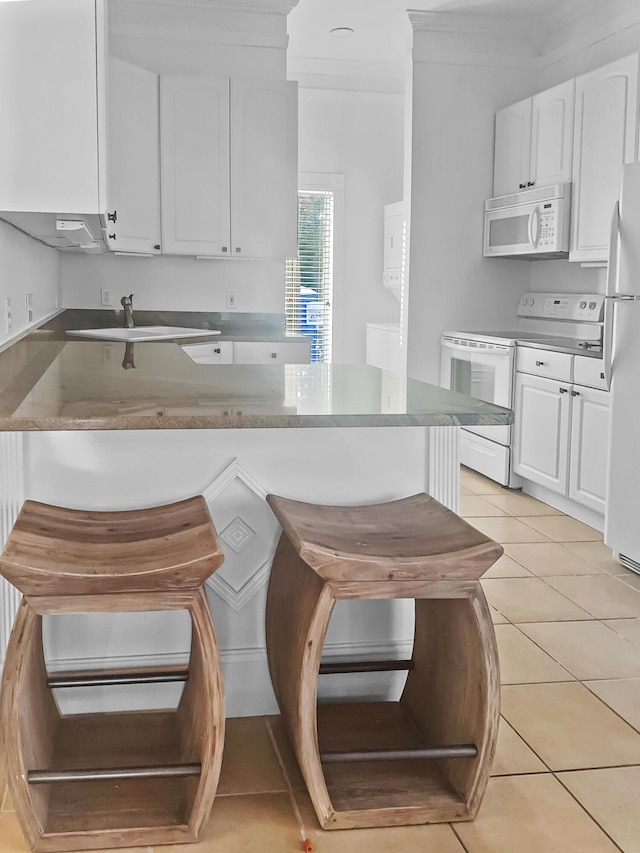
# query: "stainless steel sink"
x,y
143,333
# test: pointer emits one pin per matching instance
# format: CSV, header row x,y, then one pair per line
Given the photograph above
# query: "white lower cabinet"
x,y
560,434
266,352
541,431
589,431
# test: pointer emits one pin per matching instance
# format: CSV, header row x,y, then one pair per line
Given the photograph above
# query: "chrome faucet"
x,y
127,304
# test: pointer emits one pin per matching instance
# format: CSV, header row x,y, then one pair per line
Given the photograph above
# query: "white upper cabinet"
x,y
606,119
552,135
228,167
195,181
52,130
264,169
512,148
133,223
533,141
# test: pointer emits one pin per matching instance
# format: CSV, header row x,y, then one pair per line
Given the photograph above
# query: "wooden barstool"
x,y
111,779
425,758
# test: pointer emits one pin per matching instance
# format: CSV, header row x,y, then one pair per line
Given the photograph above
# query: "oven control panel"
x,y
574,307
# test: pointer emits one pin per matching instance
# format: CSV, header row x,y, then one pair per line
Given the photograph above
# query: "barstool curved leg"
x,y
29,718
299,607
453,691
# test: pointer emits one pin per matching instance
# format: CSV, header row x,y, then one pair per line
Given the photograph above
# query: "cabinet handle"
x,y
530,183
238,249
157,246
112,217
522,186
564,390
575,393
217,350
112,236
539,363
225,249
274,355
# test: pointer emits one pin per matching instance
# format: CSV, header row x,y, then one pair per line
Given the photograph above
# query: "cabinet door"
x,y
512,153
266,352
133,177
194,154
589,438
264,169
52,106
604,140
552,135
541,431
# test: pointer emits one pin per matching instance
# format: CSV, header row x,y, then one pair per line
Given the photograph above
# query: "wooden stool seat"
x,y
57,551
114,779
425,758
416,538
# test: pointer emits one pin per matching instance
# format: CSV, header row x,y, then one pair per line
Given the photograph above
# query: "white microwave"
x,y
533,224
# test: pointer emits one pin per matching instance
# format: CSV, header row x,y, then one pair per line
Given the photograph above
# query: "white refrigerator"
x,y
622,365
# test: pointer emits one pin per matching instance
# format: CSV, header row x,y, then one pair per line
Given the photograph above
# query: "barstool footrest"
x,y
366,666
163,771
464,750
104,677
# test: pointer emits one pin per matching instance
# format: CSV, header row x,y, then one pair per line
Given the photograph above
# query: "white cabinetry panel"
x,y
264,169
552,135
194,144
533,141
605,131
52,132
541,433
512,151
589,430
133,173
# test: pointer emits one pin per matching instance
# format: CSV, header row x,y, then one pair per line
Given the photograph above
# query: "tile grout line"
x,y
586,811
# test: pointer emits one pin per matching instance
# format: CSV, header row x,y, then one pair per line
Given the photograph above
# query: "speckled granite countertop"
x,y
49,381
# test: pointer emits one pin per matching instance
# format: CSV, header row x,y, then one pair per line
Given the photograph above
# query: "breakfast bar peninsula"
x,y
104,425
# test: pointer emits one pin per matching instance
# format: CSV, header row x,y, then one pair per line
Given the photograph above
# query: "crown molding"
x,y
202,34
272,7
472,39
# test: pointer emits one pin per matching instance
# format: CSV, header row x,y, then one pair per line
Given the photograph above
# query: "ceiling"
x,y
381,27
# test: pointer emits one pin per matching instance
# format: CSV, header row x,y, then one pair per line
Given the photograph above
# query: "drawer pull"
x,y
539,363
564,390
575,393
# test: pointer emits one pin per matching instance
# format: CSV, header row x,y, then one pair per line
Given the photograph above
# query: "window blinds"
x,y
309,277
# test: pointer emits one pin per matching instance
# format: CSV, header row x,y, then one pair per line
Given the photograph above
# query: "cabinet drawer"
x,y
540,362
589,371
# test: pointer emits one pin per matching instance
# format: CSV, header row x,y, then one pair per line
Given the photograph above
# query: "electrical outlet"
x,y
29,307
8,315
231,299
105,296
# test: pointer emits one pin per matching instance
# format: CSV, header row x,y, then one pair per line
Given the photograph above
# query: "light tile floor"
x,y
566,778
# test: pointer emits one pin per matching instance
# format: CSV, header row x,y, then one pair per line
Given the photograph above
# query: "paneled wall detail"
x,y
248,530
444,469
11,498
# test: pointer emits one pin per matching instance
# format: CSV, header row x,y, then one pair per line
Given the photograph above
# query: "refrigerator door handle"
x,y
609,302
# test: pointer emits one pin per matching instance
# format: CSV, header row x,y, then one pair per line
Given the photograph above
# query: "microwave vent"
x,y
528,197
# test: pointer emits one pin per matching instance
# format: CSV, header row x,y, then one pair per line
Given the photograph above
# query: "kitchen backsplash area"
x,y
29,282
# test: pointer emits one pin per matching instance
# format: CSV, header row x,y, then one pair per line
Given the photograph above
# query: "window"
x,y
309,277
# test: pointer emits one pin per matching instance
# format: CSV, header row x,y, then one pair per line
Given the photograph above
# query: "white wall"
x,y
358,135
457,85
26,266
191,40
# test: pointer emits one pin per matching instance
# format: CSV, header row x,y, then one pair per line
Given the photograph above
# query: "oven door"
x,y
480,370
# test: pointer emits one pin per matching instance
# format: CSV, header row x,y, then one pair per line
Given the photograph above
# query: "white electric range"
x,y
482,364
